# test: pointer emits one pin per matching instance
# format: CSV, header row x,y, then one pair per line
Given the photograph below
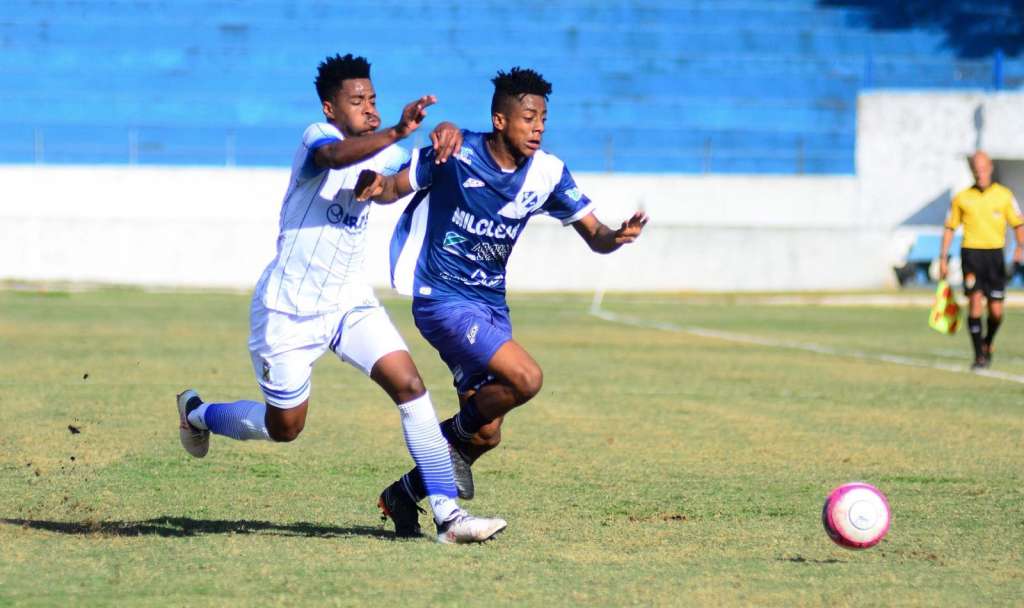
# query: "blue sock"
x,y
239,420
461,427
430,452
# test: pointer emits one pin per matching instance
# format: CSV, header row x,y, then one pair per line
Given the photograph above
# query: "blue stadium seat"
x,y
662,85
923,252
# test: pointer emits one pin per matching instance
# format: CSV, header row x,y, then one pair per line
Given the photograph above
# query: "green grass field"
x,y
657,467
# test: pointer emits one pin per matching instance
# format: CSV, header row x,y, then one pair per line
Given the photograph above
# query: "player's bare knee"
x,y
409,387
284,429
528,382
284,425
284,433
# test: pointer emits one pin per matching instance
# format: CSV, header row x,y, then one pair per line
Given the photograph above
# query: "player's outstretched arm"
x,y
380,188
602,239
351,150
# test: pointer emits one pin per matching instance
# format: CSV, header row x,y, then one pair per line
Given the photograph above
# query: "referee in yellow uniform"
x,y
984,209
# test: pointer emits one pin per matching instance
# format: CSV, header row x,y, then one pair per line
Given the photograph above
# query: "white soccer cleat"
x,y
465,528
195,441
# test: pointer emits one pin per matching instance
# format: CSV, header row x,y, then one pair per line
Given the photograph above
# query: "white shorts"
x,y
284,347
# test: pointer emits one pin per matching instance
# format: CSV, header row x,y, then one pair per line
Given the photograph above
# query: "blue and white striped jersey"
x,y
454,239
322,240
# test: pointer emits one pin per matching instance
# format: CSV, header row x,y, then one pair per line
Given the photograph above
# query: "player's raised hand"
x,y
447,139
413,114
368,185
631,228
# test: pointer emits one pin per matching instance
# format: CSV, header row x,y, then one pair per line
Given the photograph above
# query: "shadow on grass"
x,y
799,559
186,526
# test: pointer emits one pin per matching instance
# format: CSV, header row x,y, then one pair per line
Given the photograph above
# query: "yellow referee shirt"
x,y
984,215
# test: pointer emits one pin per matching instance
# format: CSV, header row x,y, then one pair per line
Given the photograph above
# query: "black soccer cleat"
x,y
461,467
980,363
396,504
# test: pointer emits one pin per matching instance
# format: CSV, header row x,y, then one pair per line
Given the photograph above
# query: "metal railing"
x,y
220,147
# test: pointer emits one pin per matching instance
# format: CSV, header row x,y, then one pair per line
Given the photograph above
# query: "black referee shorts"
x,y
984,270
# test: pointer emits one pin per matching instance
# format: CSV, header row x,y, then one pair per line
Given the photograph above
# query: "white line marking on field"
x,y
804,346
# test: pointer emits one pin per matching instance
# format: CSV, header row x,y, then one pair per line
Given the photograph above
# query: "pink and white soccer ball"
x,y
856,515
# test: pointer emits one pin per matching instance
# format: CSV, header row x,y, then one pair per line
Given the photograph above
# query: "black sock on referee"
x,y
993,327
974,324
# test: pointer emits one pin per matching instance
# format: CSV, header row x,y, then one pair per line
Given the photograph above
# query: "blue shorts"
x,y
466,334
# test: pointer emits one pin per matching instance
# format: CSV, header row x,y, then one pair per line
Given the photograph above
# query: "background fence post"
x,y
997,70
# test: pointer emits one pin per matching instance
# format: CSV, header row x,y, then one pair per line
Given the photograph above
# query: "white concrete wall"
x,y
217,227
714,233
191,227
913,146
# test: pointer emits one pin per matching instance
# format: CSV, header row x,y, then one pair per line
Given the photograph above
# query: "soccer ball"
x,y
856,515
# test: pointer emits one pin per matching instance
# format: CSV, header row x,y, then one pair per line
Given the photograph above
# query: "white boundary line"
x,y
595,310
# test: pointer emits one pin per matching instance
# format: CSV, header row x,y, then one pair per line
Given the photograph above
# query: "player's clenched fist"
x,y
368,185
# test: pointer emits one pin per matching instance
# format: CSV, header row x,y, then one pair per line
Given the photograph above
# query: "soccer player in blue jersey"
x,y
450,250
313,297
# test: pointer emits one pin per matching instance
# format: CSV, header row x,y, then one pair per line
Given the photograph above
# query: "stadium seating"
x,y
925,251
737,86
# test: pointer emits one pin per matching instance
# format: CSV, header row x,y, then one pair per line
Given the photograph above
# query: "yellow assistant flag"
x,y
945,314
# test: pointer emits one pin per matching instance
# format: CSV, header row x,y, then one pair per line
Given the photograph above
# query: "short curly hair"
x,y
333,70
516,84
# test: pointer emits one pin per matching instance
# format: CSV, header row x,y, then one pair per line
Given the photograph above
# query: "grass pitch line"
x,y
803,346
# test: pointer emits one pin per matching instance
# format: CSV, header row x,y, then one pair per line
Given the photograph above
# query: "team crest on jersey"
x,y
465,155
524,204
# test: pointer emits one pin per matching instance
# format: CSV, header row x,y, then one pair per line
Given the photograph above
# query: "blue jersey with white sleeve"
x,y
454,238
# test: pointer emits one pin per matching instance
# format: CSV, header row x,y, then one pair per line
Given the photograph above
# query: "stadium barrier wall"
x,y
216,227
912,147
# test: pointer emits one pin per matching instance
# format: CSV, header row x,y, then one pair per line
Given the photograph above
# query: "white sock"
x,y
429,450
195,417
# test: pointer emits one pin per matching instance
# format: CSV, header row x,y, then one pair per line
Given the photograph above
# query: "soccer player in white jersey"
x,y
313,298
450,250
